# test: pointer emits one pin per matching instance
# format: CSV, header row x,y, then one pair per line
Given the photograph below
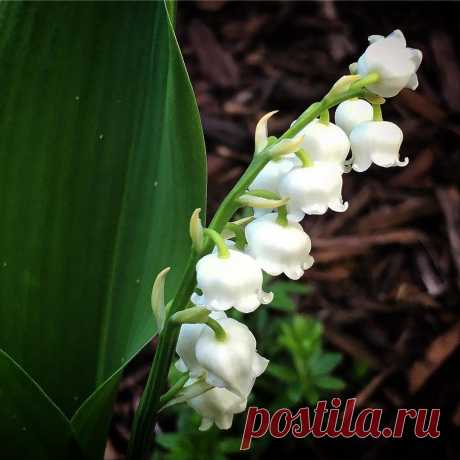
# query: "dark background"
x,y
387,273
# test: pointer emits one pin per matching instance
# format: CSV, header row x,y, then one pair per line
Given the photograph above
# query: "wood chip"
x,y
387,217
449,199
326,250
447,66
436,354
216,63
353,347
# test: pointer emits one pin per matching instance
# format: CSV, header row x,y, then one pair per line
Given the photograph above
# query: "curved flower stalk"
x,y
393,61
233,281
376,142
221,352
279,248
313,190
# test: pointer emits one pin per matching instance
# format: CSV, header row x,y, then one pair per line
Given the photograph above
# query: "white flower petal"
x,y
413,82
398,36
271,174
325,142
278,249
376,142
218,406
232,282
416,57
353,112
362,162
375,38
310,190
309,261
395,64
234,361
185,346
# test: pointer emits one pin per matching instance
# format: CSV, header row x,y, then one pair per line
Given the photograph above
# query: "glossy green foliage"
x,y
101,165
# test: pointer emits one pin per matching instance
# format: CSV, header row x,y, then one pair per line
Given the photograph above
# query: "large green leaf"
x,y
91,421
101,164
36,428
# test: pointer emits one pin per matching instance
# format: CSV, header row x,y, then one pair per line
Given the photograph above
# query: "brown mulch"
x,y
387,272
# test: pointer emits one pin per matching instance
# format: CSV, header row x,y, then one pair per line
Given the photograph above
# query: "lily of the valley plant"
x,y
300,173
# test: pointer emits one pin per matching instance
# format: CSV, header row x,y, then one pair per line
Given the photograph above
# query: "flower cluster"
x,y
304,177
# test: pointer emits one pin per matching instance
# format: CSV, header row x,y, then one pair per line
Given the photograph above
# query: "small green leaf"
x,y
282,373
328,382
311,395
294,393
283,291
324,363
230,445
167,440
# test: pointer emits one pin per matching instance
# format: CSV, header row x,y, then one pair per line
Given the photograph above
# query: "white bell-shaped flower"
x,y
235,281
185,346
232,363
376,142
352,112
325,142
313,190
217,405
393,61
278,248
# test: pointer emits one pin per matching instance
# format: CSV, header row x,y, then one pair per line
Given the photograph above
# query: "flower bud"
x,y
313,190
196,230
376,142
278,248
158,298
232,363
325,142
395,64
185,346
353,112
218,406
235,281
261,134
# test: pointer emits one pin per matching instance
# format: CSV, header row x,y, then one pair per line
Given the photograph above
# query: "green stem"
x,y
222,249
261,193
303,156
191,315
355,90
172,392
377,115
282,216
142,436
218,330
324,117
